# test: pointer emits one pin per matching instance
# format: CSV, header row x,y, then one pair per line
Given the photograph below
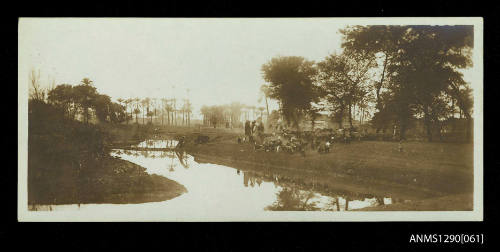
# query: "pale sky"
x,y
218,60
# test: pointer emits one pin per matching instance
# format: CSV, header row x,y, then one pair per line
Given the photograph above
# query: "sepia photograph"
x,y
250,119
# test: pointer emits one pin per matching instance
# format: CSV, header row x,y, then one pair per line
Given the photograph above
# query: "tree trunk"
x,y
402,131
267,108
126,115
379,86
350,115
468,129
427,123
341,118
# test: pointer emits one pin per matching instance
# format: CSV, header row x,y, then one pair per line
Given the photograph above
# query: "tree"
x,y
416,66
206,115
235,110
102,108
137,103
128,102
168,108
154,104
145,103
36,91
85,95
291,83
428,63
117,113
188,109
62,96
216,115
379,42
344,80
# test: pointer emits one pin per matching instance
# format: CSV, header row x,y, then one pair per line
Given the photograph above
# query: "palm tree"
x,y
168,109
188,111
145,103
183,111
127,103
136,110
122,103
162,109
86,82
174,112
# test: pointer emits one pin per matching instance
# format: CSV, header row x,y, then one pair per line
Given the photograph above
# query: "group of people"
x,y
282,139
254,131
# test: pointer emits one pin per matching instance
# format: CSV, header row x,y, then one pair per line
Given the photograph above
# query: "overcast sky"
x,y
218,60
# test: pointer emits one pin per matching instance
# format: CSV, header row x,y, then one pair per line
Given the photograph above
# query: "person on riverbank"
x,y
260,130
181,142
248,132
253,130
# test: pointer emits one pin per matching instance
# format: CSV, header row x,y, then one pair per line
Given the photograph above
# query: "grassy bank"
x,y
124,182
116,181
69,162
422,170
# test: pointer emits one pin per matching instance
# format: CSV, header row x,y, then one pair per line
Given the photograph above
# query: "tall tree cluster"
x,y
291,83
84,98
229,113
403,74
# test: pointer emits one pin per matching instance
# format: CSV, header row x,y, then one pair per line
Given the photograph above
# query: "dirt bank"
x,y
421,171
117,181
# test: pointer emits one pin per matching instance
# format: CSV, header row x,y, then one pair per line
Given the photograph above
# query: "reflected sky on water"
x,y
216,188
157,143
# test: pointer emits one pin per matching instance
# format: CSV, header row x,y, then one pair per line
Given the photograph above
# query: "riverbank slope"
x,y
420,172
69,162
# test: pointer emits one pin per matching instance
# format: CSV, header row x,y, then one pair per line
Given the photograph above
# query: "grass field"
x,y
422,170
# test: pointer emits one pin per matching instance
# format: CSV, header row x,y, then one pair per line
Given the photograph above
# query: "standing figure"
x,y
253,131
260,130
248,132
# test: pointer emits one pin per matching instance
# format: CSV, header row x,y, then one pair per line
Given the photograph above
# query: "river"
x,y
213,188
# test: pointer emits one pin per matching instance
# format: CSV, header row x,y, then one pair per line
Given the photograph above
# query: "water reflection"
x,y
292,199
157,144
296,196
286,193
214,189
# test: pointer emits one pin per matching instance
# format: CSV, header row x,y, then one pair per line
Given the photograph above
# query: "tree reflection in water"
x,y
182,159
291,199
172,155
297,194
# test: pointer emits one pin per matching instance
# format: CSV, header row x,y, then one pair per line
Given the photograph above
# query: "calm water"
x,y
153,144
216,188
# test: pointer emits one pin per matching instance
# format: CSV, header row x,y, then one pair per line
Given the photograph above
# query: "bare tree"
x,y
36,91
